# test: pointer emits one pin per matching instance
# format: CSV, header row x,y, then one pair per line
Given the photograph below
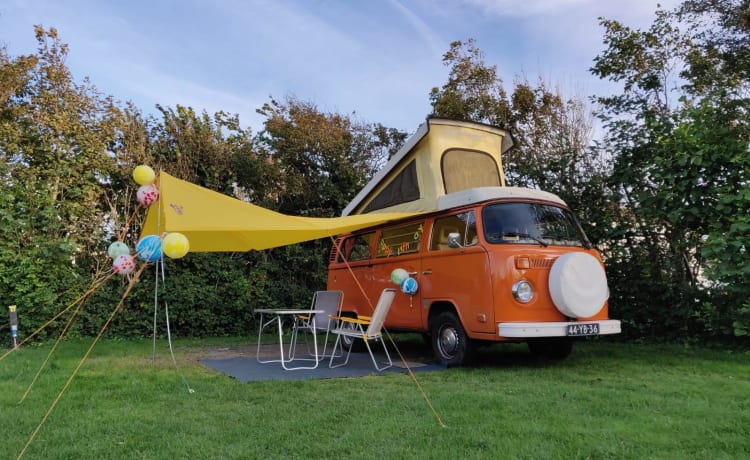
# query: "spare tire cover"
x,y
578,285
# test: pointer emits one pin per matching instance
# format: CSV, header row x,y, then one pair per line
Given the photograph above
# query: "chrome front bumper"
x,y
553,329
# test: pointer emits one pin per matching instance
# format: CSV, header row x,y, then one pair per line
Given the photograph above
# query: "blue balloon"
x,y
409,286
149,248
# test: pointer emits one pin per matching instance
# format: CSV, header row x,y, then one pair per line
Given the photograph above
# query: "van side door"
x,y
458,271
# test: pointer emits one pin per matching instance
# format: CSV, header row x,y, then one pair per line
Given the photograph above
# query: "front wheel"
x,y
450,343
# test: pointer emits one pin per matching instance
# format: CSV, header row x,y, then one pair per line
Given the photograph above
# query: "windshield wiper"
x,y
535,238
518,235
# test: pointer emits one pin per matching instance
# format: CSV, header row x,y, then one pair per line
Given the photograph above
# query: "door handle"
x,y
412,273
427,272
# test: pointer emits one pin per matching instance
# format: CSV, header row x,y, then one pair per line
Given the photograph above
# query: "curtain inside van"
x,y
213,222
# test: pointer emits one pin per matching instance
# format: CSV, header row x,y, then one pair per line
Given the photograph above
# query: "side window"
x,y
361,247
464,224
356,247
401,240
471,228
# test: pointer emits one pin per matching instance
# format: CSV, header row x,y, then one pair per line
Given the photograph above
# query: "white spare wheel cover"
x,y
578,285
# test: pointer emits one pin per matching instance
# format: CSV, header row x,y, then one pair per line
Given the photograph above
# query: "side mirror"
x,y
454,240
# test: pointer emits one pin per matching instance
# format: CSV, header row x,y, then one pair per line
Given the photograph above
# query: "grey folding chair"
x,y
355,329
324,305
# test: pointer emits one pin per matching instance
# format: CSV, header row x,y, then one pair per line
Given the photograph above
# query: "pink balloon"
x,y
123,264
147,194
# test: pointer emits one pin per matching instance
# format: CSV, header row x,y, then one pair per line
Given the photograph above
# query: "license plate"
x,y
583,329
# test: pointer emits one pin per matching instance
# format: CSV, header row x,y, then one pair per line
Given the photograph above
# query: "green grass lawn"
x,y
605,401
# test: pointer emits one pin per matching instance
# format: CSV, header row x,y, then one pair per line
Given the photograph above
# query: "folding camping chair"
x,y
325,305
354,328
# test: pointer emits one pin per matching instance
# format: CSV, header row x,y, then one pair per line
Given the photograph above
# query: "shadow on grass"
x,y
495,355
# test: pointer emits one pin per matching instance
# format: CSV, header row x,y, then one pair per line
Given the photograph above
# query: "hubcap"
x,y
448,341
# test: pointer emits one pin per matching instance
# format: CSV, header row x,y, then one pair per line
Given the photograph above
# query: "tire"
x,y
551,349
450,344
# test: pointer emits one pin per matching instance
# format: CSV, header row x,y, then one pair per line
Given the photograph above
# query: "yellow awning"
x,y
213,222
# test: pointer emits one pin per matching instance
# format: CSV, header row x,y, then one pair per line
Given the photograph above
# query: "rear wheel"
x,y
552,349
450,344
350,343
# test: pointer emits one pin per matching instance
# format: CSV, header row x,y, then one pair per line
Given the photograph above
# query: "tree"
x,y
552,138
721,61
679,139
474,91
322,160
58,143
67,159
199,148
551,134
54,144
718,74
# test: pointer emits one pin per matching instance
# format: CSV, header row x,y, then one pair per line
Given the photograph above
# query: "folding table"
x,y
277,317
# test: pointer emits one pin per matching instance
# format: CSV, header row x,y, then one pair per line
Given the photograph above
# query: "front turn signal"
x,y
522,263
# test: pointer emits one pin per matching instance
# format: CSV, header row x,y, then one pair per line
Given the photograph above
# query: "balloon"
x,y
118,248
409,286
175,245
144,175
398,275
123,264
147,194
149,248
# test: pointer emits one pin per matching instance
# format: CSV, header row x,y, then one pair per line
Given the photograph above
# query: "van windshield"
x,y
531,223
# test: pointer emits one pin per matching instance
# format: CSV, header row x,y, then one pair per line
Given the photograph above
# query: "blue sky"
x,y
377,59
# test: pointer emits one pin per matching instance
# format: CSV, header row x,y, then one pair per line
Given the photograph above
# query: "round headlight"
x,y
522,291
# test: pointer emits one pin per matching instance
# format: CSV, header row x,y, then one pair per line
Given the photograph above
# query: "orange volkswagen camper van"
x,y
490,263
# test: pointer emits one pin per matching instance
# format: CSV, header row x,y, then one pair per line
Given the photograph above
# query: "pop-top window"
x,y
464,169
401,240
402,189
531,223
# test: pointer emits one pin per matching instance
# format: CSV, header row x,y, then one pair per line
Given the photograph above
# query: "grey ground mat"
x,y
248,369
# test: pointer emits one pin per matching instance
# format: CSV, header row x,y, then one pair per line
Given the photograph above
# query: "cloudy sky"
x,y
377,59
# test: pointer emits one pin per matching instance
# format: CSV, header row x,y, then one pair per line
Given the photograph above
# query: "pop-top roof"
x,y
442,157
